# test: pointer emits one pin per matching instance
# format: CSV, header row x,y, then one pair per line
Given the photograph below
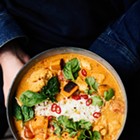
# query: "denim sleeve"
x,y
9,29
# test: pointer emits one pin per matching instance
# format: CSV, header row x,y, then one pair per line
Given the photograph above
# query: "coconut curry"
x,y
68,96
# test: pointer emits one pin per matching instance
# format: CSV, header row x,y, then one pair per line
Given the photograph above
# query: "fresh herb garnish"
x,y
57,128
89,135
71,69
85,135
97,100
51,89
23,113
68,125
96,135
17,111
64,124
109,94
28,113
29,98
84,124
93,85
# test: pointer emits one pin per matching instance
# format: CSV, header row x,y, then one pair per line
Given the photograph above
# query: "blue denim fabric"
x,y
120,43
9,30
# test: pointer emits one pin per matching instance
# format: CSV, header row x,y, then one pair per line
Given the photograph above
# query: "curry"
x,y
68,96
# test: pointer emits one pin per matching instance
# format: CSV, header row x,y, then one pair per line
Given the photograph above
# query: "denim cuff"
x,y
9,29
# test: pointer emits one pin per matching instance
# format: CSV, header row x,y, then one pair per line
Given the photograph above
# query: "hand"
x,y
12,59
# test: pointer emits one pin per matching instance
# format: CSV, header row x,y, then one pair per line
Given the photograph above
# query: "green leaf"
x,y
51,89
89,135
85,135
93,85
64,124
84,124
73,133
97,100
67,123
109,94
23,113
96,135
28,113
17,112
71,69
29,98
57,128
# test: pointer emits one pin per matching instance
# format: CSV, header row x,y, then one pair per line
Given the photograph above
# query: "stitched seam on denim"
x,y
120,48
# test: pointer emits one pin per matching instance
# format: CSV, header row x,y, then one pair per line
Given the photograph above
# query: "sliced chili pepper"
x,y
76,97
89,101
58,109
53,107
50,118
96,114
84,72
84,96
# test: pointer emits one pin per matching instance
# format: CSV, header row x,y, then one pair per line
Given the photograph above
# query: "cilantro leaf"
x,y
85,135
84,124
97,100
67,123
109,94
57,128
89,135
96,135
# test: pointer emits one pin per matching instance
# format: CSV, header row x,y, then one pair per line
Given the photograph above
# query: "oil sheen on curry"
x,y
68,97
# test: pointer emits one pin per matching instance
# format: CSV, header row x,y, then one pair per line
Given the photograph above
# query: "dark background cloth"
x,y
3,118
53,23
131,129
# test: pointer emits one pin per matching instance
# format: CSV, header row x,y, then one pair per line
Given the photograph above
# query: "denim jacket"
x,y
9,30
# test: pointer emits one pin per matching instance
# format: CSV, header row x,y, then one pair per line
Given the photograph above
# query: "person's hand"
x,y
12,59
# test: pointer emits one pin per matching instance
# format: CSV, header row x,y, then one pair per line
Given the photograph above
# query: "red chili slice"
x,y
76,97
84,72
50,118
89,101
96,114
58,109
53,107
84,96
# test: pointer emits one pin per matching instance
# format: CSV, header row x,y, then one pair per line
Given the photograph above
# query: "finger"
x,y
24,58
